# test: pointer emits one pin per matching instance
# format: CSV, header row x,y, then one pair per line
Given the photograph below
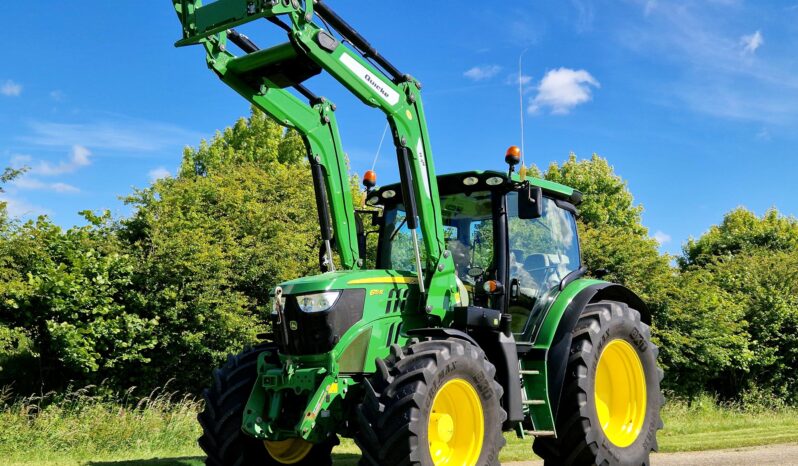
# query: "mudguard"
x,y
558,348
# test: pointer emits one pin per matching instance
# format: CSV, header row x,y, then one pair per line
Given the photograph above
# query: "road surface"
x,y
781,455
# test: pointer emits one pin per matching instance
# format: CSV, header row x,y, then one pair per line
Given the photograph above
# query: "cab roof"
x,y
456,182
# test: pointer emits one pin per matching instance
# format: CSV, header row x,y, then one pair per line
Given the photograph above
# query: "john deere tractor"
x,y
476,319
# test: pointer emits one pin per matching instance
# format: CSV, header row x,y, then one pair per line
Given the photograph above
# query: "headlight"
x,y
317,302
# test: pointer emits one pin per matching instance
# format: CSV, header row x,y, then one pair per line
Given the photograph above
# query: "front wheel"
x,y
610,405
434,402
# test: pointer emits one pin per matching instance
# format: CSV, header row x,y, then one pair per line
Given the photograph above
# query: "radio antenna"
x,y
521,103
379,148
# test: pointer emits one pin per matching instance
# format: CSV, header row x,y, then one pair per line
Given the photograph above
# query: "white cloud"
x,y
708,70
158,173
35,184
20,160
57,95
585,14
64,188
19,208
79,157
123,134
482,73
662,237
514,78
11,89
752,42
563,89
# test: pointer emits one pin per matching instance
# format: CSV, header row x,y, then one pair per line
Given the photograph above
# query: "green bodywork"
x,y
311,396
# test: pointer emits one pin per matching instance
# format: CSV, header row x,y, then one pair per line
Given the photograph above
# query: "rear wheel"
x,y
222,438
432,403
609,409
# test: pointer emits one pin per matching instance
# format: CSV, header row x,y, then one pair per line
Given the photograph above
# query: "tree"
x,y
742,232
214,241
9,174
703,335
612,235
170,291
607,199
67,295
754,261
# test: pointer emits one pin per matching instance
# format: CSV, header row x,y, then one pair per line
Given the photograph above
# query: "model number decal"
x,y
383,89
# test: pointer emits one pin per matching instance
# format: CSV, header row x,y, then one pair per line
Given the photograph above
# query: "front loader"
x,y
477,318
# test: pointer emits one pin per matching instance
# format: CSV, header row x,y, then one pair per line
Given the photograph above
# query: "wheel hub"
x,y
620,393
289,451
456,425
444,426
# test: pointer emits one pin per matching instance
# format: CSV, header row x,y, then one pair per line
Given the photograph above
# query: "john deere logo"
x,y
293,325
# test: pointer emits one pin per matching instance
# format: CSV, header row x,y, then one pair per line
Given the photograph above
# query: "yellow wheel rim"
x,y
620,393
456,425
290,451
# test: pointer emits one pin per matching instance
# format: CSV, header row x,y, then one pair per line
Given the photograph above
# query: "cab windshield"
x,y
468,232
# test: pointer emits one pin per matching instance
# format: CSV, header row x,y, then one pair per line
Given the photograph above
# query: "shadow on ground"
x,y
338,459
183,461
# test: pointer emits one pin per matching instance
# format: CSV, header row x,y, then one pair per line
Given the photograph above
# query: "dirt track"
x,y
768,455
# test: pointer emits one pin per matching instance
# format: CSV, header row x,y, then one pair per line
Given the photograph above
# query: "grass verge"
x,y
161,430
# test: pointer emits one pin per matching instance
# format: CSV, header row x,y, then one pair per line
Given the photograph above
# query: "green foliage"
x,y
71,292
765,283
607,199
9,174
213,242
612,235
742,232
174,288
185,280
255,141
754,261
703,334
211,248
628,258
726,320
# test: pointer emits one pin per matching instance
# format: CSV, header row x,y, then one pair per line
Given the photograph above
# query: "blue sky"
x,y
695,103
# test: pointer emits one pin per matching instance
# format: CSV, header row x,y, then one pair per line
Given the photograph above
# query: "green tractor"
x,y
476,319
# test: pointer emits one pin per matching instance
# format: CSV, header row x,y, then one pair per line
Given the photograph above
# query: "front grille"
x,y
318,332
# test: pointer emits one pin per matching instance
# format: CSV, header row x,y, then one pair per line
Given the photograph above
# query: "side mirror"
x,y
372,215
530,202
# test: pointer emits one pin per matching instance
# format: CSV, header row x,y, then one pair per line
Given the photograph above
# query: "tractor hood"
x,y
347,279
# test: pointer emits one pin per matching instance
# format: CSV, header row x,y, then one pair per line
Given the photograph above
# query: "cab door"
x,y
542,252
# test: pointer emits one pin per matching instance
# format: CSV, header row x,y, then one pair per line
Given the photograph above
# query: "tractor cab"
x,y
505,257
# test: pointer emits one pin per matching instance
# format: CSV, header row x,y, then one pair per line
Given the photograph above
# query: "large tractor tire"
x,y
432,403
222,438
609,409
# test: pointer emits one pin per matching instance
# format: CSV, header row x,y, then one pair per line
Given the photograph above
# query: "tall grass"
x,y
83,425
90,425
707,423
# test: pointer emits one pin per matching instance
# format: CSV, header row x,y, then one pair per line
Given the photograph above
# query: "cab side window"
x,y
542,252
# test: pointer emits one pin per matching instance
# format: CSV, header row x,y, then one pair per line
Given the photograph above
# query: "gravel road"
x,y
782,455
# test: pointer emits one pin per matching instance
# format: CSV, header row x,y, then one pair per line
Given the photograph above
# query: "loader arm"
x,y
261,76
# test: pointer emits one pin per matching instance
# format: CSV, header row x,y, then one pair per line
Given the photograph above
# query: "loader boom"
x,y
262,76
